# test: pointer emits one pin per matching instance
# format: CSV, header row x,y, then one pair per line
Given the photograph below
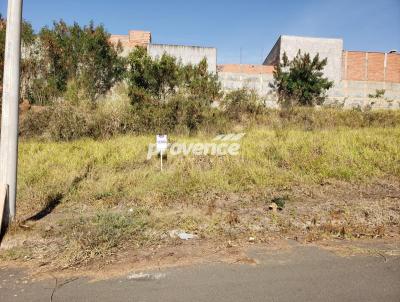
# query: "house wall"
x,y
187,54
331,49
254,77
353,93
371,66
356,74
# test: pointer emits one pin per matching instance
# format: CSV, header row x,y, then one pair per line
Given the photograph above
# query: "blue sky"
x,y
252,26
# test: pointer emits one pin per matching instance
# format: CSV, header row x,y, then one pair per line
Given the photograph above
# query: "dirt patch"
x,y
127,239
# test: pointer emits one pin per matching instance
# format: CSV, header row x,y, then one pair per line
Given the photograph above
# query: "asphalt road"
x,y
303,273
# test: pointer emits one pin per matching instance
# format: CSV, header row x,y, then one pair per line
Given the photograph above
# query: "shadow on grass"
x,y
52,202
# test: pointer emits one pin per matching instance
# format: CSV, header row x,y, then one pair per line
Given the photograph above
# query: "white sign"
x,y
162,143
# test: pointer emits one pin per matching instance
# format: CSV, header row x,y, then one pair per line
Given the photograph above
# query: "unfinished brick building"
x,y
356,74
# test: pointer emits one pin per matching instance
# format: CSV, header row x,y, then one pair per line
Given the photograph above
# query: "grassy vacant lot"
x,y
106,198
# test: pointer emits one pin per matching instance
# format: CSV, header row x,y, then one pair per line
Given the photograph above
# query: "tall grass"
x,y
116,170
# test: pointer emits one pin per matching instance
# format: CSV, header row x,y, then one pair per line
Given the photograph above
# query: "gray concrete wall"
x,y
350,94
187,54
332,49
257,82
356,94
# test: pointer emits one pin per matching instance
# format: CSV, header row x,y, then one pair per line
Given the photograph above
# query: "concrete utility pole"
x,y
9,118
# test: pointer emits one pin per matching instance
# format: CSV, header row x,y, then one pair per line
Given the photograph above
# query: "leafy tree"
x,y
300,81
77,57
200,83
155,79
158,78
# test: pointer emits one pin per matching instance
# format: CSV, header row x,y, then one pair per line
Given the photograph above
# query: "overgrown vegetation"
x,y
66,61
77,62
241,105
154,80
180,115
167,96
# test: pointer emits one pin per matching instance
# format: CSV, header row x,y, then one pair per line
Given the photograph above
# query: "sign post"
x,y
161,155
162,145
9,118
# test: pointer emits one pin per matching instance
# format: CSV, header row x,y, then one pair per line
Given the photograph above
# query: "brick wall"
x,y
246,68
393,68
370,66
376,67
139,37
134,38
354,65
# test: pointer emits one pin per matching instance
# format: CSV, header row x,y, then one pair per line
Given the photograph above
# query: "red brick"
x,y
393,68
376,62
356,66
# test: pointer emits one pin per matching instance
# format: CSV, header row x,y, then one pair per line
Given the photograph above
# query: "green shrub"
x,y
68,122
300,82
111,118
35,122
178,114
74,59
198,83
241,104
154,80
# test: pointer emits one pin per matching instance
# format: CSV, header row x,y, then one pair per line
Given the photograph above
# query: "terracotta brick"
x,y
356,66
393,68
134,38
376,62
246,68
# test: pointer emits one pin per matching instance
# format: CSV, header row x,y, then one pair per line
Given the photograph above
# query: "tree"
x,y
155,79
300,81
200,83
77,58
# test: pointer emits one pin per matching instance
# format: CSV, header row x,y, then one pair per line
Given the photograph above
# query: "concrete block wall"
x,y
186,54
257,82
355,74
353,93
254,77
331,49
